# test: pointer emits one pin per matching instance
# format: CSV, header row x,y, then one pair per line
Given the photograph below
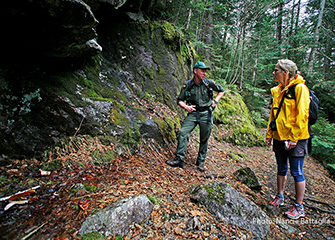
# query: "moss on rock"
x,y
234,123
172,35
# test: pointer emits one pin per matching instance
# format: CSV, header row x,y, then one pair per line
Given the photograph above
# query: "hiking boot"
x,y
201,168
176,163
296,212
277,201
198,163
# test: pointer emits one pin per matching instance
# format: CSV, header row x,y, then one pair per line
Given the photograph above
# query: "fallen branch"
x,y
168,146
318,208
212,176
18,193
313,206
11,204
32,232
81,122
332,206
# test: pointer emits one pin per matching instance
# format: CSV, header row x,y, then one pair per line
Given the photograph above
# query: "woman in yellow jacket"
x,y
288,127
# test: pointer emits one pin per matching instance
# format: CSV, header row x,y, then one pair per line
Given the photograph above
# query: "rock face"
x,y
92,67
116,219
226,203
99,98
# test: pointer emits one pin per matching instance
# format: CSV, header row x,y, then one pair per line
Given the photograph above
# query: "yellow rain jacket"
x,y
292,121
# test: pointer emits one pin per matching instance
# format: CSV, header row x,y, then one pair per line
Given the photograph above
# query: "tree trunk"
x,y
256,61
242,64
297,19
327,61
200,29
317,30
209,33
279,27
235,65
293,40
189,18
291,30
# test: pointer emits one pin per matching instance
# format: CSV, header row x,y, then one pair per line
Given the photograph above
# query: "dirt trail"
x,y
60,206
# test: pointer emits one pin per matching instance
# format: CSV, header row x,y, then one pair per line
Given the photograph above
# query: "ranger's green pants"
x,y
189,123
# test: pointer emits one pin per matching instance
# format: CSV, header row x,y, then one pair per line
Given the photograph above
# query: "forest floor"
x,y
58,207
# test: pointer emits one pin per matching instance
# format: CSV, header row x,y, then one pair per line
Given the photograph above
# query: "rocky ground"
x,y
85,183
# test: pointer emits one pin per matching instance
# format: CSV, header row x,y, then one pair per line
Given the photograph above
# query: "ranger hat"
x,y
200,65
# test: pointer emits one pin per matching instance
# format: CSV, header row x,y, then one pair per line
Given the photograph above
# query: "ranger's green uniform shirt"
x,y
199,93
198,96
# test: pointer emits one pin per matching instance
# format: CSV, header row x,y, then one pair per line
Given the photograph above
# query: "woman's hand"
x,y
291,145
268,142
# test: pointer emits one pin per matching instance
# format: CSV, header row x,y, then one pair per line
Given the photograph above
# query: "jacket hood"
x,y
298,79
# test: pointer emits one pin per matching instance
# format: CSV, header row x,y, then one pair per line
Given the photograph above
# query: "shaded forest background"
x,y
244,39
240,40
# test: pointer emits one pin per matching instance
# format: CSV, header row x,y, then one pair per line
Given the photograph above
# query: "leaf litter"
x,y
85,184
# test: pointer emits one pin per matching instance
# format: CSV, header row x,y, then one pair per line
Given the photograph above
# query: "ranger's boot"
x,y
177,162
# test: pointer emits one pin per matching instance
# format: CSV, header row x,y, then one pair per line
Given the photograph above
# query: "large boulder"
x,y
233,122
117,218
229,205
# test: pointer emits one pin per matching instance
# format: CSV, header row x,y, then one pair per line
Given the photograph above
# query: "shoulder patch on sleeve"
x,y
183,87
213,81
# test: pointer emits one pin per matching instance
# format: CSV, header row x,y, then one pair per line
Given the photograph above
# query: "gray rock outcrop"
x,y
226,203
93,68
116,219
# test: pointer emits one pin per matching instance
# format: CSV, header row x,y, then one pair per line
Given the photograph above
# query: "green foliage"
x,y
323,142
331,168
258,119
106,157
90,187
3,180
325,92
164,128
245,41
154,199
131,137
52,165
255,101
12,105
242,155
92,236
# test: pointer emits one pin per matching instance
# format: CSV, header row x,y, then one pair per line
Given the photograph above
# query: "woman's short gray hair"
x,y
286,64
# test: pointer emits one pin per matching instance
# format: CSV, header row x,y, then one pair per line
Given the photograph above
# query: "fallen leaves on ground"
x,y
84,185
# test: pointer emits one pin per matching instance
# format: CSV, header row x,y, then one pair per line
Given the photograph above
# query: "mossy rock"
x,y
172,35
234,123
233,156
248,177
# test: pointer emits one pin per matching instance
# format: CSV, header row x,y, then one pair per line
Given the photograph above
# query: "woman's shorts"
x,y
295,157
299,151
